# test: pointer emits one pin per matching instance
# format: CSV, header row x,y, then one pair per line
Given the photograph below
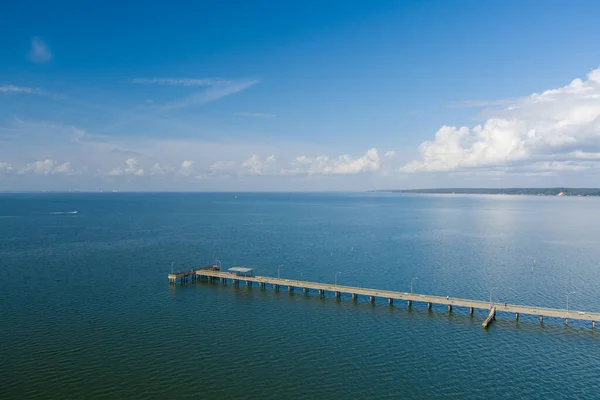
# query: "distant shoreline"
x,y
560,191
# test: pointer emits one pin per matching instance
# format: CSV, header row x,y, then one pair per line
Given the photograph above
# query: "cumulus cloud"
x,y
161,169
40,52
223,166
390,154
559,124
303,160
346,165
256,166
187,168
47,167
132,167
5,167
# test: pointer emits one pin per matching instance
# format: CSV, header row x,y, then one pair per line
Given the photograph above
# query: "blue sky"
x,y
272,95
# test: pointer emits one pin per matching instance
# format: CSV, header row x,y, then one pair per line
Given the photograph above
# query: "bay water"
x,y
86,310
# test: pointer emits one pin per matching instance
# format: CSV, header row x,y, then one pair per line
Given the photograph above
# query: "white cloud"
x,y
132,167
292,171
582,155
182,81
215,89
561,123
5,167
186,168
213,93
390,154
303,160
46,167
256,166
346,165
159,169
39,53
223,166
16,89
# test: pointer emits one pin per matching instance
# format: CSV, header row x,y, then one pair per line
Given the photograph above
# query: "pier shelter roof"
x,y
242,271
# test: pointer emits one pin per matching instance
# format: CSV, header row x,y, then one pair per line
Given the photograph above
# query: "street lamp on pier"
x,y
495,287
336,275
568,300
411,283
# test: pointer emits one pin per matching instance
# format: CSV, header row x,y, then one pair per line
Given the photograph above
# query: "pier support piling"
x,y
212,274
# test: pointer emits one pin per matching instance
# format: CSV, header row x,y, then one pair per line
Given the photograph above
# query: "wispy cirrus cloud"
x,y
182,81
211,94
29,90
255,115
480,103
40,52
214,89
17,89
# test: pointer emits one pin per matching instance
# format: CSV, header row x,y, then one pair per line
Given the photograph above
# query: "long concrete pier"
x,y
213,273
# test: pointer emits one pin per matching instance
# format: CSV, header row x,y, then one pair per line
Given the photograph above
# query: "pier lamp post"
x,y
568,300
495,287
278,272
336,275
411,283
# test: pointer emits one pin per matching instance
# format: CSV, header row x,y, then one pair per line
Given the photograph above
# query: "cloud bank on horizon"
x,y
556,131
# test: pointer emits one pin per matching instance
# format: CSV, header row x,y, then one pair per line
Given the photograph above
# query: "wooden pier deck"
x,y
214,274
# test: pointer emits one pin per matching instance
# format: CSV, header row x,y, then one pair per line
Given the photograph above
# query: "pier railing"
x,y
390,296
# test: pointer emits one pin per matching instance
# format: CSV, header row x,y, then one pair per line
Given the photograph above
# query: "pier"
x,y
214,274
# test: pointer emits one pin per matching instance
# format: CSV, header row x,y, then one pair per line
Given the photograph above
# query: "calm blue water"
x,y
86,310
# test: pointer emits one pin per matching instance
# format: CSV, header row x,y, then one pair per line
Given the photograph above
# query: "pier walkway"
x,y
214,274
